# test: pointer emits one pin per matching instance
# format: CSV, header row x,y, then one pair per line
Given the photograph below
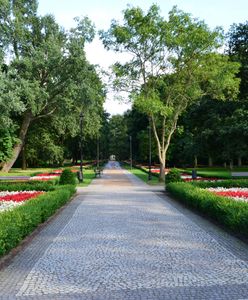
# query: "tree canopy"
x,y
45,73
172,64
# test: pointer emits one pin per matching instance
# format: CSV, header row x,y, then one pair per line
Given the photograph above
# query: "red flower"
x,y
22,196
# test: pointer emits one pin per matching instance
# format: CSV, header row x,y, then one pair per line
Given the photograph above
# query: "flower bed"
x,y
238,194
19,196
45,176
15,224
188,178
9,200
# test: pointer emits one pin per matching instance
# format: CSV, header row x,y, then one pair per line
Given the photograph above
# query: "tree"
x,y
173,63
119,142
237,50
51,74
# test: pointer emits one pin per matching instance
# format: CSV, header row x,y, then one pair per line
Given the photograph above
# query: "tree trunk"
x,y
210,161
224,165
18,147
161,173
195,161
231,164
240,161
24,161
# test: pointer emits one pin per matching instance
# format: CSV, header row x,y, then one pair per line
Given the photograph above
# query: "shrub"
x,y
173,175
67,177
21,221
228,212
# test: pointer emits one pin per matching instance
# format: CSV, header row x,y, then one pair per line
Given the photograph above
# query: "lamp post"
x,y
97,153
80,174
150,150
131,154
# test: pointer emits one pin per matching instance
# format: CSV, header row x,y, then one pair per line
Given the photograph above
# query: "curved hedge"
x,y
16,224
228,212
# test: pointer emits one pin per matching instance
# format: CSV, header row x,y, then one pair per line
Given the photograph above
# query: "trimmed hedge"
x,y
16,224
223,183
230,213
27,186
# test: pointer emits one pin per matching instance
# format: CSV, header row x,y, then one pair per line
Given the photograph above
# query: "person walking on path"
x,y
122,239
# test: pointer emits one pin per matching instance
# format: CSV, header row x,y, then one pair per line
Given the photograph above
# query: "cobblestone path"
x,y
120,239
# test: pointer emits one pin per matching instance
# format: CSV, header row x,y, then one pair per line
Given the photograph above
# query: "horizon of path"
x,y
120,238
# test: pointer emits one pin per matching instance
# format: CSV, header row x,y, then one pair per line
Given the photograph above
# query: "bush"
x,y
226,211
173,175
21,221
67,177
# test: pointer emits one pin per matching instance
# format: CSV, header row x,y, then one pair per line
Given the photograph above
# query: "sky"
x,y
214,12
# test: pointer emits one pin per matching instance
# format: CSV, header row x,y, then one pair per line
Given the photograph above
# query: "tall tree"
x,y
173,63
51,73
238,51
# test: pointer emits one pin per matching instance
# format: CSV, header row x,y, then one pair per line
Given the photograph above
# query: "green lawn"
x,y
142,175
216,172
28,172
88,175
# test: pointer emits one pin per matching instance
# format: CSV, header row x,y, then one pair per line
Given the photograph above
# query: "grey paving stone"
x,y
120,239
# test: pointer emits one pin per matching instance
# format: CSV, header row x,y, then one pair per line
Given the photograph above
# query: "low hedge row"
x,y
223,183
232,214
27,186
21,221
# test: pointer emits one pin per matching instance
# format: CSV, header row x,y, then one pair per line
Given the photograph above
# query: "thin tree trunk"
x,y
18,147
162,174
210,161
231,164
24,161
195,161
240,161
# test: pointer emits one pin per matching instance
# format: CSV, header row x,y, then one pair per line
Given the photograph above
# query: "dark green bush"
x,y
228,212
21,221
174,175
67,177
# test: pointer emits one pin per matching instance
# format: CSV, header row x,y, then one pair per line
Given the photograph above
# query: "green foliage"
x,y
224,183
230,213
67,177
163,86
27,186
174,175
21,221
237,50
47,81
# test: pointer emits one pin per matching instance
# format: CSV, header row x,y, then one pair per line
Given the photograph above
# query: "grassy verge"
x,y
216,172
16,224
232,214
142,175
28,172
89,175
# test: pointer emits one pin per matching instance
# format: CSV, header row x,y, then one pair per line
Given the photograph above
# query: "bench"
x,y
98,172
239,174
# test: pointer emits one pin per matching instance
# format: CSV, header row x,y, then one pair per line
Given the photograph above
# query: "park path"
x,y
121,239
